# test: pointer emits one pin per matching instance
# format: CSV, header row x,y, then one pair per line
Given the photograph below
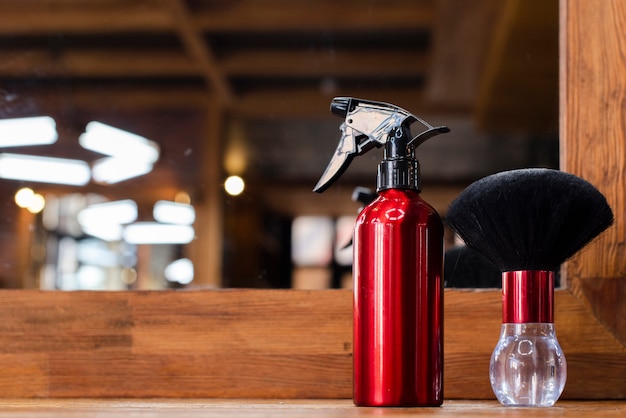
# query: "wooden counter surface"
x,y
288,408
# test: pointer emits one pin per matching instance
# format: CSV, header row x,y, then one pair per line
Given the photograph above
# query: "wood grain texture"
x,y
300,408
593,146
295,344
593,120
254,344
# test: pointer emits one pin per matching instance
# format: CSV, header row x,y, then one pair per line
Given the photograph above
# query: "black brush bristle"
x,y
529,219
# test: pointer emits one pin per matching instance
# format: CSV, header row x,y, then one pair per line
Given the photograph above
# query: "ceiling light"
x,y
173,213
234,185
44,169
182,197
179,271
117,212
19,132
24,197
27,199
96,253
115,142
105,220
157,233
37,204
110,170
105,232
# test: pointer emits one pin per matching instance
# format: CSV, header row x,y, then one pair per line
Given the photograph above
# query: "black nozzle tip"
x,y
363,195
339,106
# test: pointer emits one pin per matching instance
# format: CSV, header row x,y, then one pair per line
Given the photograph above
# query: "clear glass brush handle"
x,y
527,366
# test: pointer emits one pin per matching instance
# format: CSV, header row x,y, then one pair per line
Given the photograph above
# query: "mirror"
x,y
227,89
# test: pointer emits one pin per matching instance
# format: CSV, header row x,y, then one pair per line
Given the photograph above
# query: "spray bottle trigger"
x,y
345,152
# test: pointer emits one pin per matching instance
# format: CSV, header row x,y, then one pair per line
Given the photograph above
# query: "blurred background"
x,y
193,131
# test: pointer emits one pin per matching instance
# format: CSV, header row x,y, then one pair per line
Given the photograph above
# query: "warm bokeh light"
x,y
234,185
182,197
37,204
26,198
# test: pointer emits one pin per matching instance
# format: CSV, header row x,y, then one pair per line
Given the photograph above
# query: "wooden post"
x,y
206,251
593,120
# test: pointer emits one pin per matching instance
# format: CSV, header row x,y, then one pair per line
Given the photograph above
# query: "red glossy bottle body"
x,y
398,302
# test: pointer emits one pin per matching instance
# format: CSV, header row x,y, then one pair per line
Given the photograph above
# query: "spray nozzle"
x,y
368,125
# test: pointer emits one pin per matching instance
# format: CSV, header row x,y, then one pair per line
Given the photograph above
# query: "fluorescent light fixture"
x,y
105,220
90,278
179,271
105,232
173,213
157,233
311,240
115,142
117,212
20,132
44,169
96,253
110,170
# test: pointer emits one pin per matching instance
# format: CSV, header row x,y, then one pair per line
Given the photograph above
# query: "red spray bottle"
x,y
398,262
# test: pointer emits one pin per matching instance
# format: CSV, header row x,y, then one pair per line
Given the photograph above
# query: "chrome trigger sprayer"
x,y
398,261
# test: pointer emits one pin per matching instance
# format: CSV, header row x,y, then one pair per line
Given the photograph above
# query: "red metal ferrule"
x,y
527,296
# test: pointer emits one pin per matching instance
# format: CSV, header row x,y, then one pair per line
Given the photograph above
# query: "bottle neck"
x,y
541,329
399,168
528,296
398,174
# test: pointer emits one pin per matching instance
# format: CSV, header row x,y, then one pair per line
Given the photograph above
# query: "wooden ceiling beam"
x,y
313,103
117,98
351,63
244,15
331,15
271,103
200,51
127,17
163,63
98,63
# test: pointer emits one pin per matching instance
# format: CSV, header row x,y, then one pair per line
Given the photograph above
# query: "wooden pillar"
x,y
206,250
23,247
593,120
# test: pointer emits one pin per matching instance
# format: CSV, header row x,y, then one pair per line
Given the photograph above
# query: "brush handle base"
x,y
528,296
528,367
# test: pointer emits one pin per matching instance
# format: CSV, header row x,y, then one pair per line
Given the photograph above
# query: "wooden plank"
x,y
593,146
593,139
113,63
314,102
101,63
279,407
249,15
125,17
607,300
281,15
336,62
254,343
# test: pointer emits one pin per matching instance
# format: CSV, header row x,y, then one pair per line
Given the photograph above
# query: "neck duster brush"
x,y
527,222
